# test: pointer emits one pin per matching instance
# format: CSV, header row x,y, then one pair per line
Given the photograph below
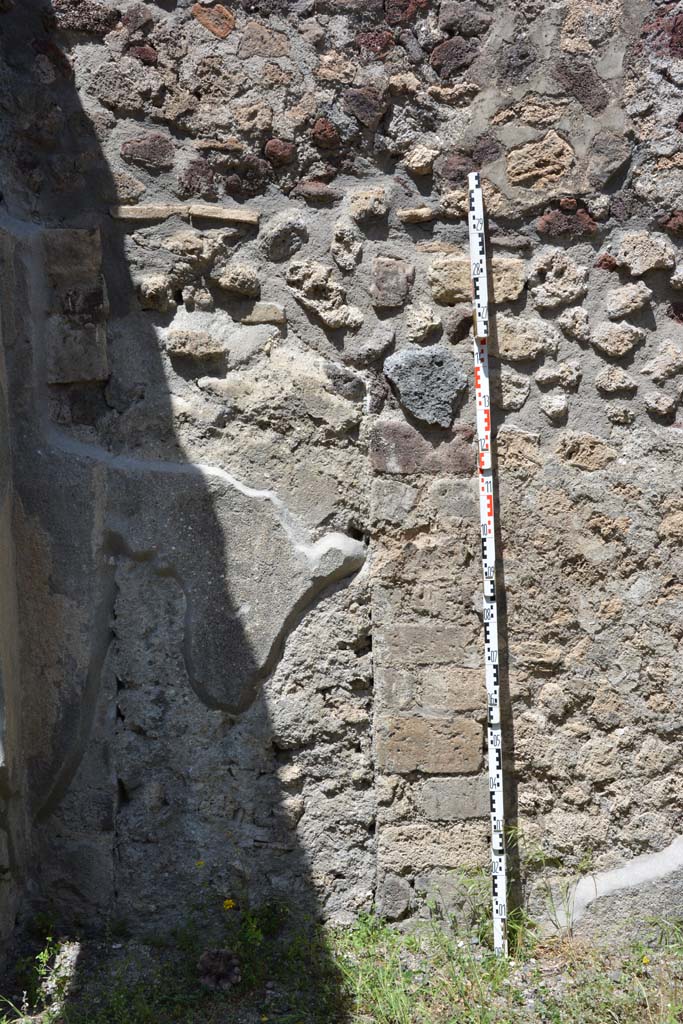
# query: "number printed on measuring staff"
x,y
480,298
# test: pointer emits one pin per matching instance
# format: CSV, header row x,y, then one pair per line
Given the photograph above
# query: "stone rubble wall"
x,y
245,514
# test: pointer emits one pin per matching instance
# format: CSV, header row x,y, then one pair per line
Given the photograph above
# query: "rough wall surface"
x,y
242,430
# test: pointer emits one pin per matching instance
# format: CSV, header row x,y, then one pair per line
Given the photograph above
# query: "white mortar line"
x,y
648,867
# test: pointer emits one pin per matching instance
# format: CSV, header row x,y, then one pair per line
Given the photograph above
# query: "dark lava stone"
x,y
279,152
454,167
377,41
674,222
556,223
516,60
146,54
606,262
324,134
400,12
366,104
453,56
579,77
151,150
464,18
486,150
198,179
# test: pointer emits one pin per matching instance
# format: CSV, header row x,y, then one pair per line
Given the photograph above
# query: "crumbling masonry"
x,y
239,589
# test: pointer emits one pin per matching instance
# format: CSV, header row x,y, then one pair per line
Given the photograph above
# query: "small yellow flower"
x,y
264,1018
199,863
646,959
229,905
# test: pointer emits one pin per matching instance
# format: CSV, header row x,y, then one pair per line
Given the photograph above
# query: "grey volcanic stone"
x,y
392,279
428,381
283,235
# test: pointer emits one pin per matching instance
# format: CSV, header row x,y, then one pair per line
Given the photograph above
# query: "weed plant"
x,y
436,971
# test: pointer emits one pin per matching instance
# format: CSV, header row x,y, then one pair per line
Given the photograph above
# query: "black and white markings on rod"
x,y
488,556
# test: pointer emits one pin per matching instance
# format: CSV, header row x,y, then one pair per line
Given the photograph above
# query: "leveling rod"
x,y
479,264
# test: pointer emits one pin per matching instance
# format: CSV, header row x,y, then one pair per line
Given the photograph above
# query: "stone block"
x,y
585,451
151,150
420,159
283,235
452,56
206,211
450,500
435,559
368,204
518,339
367,348
366,104
429,381
416,214
446,746
541,163
320,293
419,643
394,897
554,407
452,688
629,299
613,380
397,447
317,193
464,18
557,280
266,313
667,363
420,846
391,281
76,352
641,251
347,247
519,451
238,278
72,254
450,278
660,405
322,406
616,340
392,500
420,322
224,214
455,799
149,211
395,688
260,41
565,375
218,20
194,344
514,390
578,77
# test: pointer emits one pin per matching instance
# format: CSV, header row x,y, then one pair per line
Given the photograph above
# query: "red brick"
x,y
218,19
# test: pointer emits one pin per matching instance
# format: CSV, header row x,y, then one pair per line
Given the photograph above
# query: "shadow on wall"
x,y
155,593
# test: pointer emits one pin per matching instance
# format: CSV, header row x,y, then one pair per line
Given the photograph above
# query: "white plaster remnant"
x,y
649,867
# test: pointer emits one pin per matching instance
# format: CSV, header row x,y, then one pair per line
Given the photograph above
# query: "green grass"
x,y
370,973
